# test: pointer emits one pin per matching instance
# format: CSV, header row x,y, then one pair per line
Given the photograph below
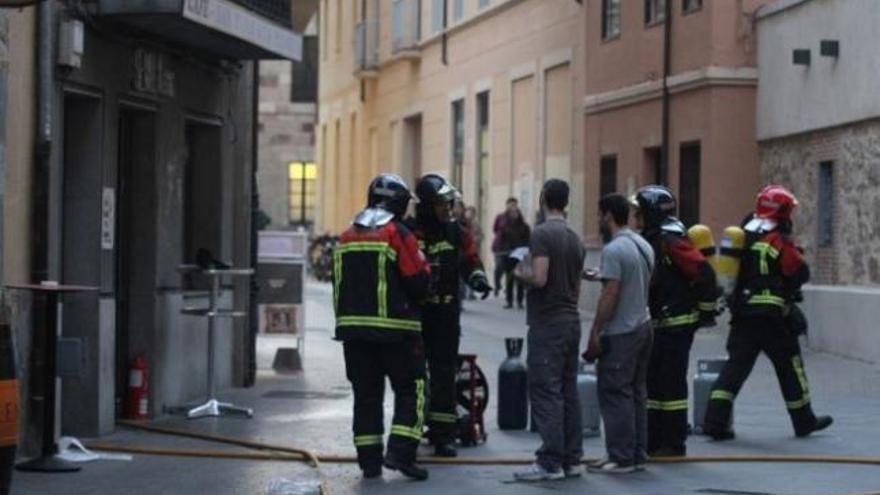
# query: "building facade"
x,y
819,134
670,98
145,119
485,92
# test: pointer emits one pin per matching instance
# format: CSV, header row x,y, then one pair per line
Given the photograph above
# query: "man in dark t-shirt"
x,y
553,274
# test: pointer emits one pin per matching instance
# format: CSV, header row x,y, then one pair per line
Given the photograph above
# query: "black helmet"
x,y
389,192
656,204
433,188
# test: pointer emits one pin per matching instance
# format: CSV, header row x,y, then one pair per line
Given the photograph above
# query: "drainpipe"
x,y
443,37
4,87
250,375
667,62
43,148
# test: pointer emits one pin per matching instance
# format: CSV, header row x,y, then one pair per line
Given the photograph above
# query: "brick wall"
x,y
854,256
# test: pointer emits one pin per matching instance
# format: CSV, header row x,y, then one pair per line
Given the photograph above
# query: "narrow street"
x,y
312,410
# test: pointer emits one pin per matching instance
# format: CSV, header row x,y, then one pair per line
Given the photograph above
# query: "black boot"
x,y
821,423
372,472
409,469
719,433
445,450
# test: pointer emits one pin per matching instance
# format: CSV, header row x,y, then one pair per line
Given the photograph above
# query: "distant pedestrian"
x,y
514,235
553,273
471,223
497,249
621,338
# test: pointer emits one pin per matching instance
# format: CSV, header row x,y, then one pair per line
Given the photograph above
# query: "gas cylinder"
x,y
8,408
708,371
702,238
513,398
732,242
588,394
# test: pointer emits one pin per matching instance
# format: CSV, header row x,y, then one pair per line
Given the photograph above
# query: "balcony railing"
x,y
405,26
366,47
276,10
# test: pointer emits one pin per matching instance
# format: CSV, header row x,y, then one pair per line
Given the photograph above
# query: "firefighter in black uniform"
x,y
682,298
379,280
452,255
764,317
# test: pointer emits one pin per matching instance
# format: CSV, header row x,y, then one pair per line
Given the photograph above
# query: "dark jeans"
x,y
622,374
553,364
499,270
511,283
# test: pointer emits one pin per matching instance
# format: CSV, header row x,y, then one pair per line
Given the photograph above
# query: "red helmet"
x,y
775,203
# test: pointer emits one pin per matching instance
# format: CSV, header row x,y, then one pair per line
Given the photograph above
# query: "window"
x,y
457,142
607,175
655,11
338,27
302,181
325,28
482,151
304,76
691,5
458,10
437,15
689,184
653,161
825,210
610,19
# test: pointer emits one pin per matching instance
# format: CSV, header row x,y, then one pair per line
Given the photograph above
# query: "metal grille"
x,y
276,10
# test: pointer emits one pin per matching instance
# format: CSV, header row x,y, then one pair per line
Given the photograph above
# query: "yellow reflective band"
x,y
767,298
798,363
675,321
765,250
420,403
668,406
367,247
798,404
707,306
440,247
382,288
375,321
722,395
439,417
441,300
406,431
337,278
366,440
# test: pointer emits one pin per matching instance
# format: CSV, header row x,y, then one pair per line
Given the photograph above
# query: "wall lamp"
x,y
801,56
829,48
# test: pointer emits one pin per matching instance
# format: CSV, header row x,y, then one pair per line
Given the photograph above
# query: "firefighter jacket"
x,y
683,287
772,272
452,254
379,279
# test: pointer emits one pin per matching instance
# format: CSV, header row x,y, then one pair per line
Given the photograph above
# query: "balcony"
x,y
366,49
233,29
405,29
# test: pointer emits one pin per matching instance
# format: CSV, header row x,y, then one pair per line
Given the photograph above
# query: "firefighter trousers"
x,y
441,330
366,366
748,338
668,389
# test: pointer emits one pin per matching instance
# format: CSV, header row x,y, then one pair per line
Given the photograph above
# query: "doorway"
x,y
412,149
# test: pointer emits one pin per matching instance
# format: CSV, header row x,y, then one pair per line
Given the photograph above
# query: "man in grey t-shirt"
x,y
553,276
621,338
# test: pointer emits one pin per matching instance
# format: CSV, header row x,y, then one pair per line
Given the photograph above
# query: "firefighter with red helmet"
x,y
453,256
380,278
683,297
764,317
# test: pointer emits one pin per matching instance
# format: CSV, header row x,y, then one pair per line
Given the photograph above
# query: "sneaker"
x,y
538,472
409,469
641,465
607,466
571,471
822,422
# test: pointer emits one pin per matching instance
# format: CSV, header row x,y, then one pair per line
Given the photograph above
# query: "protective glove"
x,y
480,284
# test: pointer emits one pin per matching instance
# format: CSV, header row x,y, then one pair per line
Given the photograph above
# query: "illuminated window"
x,y
302,179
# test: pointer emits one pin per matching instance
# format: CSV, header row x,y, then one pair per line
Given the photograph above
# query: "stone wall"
x,y
287,134
854,256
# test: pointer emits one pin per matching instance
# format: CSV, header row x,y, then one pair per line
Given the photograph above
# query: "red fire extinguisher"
x,y
138,388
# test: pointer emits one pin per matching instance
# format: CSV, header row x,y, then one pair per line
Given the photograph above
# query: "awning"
x,y
221,27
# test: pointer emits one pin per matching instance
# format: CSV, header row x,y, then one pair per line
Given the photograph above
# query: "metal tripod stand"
x,y
213,407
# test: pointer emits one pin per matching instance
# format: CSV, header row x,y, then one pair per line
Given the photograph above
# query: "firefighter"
x,y
379,280
452,255
682,298
764,317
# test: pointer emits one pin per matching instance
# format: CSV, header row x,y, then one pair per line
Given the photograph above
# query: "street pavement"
x,y
312,410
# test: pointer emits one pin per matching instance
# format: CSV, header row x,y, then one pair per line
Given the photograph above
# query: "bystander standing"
x,y
497,249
